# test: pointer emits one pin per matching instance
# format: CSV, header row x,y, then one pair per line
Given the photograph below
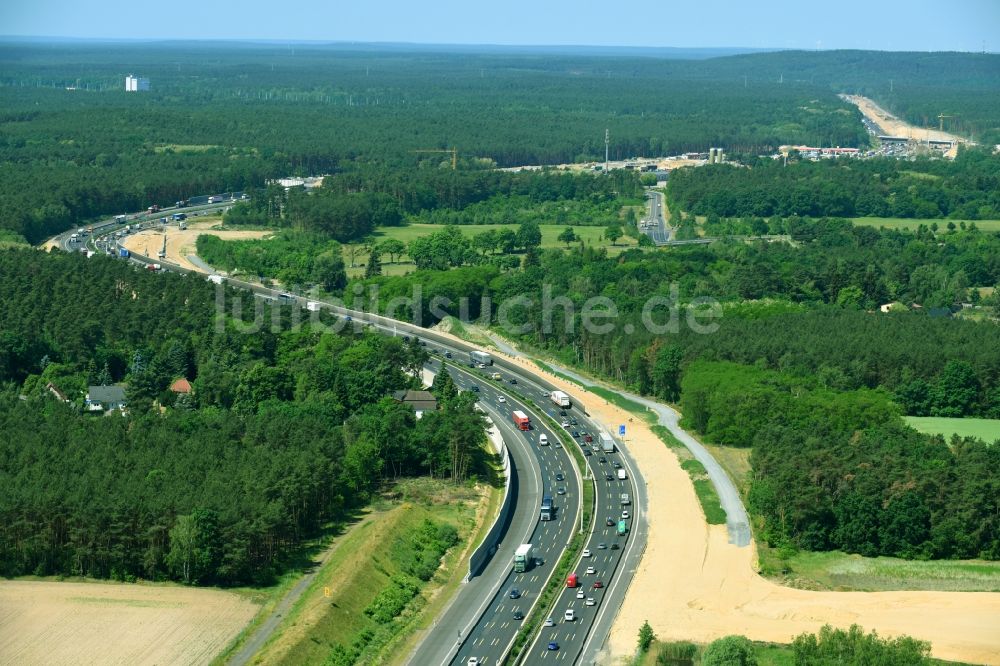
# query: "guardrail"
x,y
485,551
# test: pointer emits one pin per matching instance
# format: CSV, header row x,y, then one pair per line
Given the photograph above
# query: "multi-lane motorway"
x,y
480,622
656,226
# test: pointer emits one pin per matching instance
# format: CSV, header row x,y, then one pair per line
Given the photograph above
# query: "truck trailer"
x,y
547,508
480,358
607,444
560,398
523,558
521,420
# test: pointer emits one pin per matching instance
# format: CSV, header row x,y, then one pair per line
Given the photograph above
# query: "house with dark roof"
x,y
419,401
105,398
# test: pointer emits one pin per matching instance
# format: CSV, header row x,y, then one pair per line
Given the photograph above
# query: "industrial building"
x,y
136,84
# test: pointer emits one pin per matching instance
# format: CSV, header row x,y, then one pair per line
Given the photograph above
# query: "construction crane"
x,y
941,118
453,151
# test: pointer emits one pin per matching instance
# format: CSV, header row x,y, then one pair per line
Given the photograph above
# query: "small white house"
x,y
105,398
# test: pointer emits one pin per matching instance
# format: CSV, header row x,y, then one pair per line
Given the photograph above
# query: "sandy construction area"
x,y
692,584
180,244
896,127
98,623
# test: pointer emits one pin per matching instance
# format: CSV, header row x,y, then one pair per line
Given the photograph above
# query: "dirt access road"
x,y
692,584
181,244
50,622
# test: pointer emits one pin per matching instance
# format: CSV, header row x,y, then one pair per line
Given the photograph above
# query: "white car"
x,y
565,424
580,594
586,552
501,399
591,571
545,394
625,515
590,601
569,615
550,622
473,661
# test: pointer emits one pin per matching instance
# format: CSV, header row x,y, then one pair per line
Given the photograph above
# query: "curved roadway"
x,y
489,631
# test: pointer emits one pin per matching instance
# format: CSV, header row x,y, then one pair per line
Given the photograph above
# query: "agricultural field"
x,y
52,622
987,430
912,223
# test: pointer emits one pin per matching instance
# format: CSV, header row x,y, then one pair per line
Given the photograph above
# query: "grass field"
x,y
736,461
331,612
839,571
913,223
591,236
987,430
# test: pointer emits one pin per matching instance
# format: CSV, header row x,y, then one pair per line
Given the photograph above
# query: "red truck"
x,y
153,209
521,420
572,580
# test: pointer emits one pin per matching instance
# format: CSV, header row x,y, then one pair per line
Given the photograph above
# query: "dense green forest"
x,y
230,117
816,324
966,188
226,117
811,379
287,428
840,470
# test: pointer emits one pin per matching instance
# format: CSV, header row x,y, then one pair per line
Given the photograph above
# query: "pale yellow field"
x,y
47,622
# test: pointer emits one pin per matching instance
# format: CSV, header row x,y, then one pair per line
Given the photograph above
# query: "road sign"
x,y
621,430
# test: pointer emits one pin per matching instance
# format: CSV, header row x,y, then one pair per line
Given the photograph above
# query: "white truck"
x,y
313,306
523,558
480,358
216,279
560,398
607,444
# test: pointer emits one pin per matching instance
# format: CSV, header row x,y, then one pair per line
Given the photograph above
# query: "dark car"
x,y
575,434
553,645
474,388
608,476
610,522
513,381
617,464
514,593
587,452
447,354
614,546
560,477
518,615
587,437
598,584
562,412
602,459
572,421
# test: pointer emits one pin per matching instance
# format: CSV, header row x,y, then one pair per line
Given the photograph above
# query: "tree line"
x,y
286,429
967,188
840,470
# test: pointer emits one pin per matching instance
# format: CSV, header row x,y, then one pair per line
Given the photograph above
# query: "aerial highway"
x,y
488,611
656,226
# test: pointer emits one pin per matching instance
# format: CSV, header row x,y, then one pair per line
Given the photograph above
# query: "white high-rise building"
x,y
136,84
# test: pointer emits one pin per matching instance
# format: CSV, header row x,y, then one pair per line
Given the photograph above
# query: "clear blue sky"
x,y
922,25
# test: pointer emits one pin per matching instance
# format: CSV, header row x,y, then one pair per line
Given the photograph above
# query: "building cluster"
x,y
136,84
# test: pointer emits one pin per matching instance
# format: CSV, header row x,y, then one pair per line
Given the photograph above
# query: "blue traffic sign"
x,y
621,430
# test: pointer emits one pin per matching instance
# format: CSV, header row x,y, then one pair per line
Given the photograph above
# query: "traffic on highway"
x,y
576,625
